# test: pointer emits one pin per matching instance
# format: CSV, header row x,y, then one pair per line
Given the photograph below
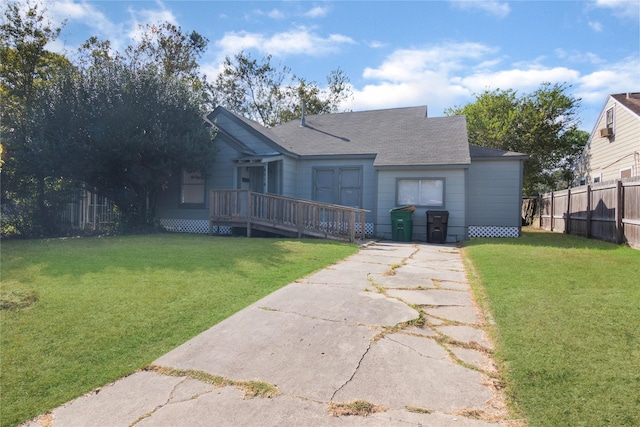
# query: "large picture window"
x,y
193,188
421,192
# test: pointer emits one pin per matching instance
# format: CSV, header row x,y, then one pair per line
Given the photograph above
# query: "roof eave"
x,y
264,138
422,167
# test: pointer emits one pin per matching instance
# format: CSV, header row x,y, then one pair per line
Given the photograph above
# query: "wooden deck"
x,y
285,215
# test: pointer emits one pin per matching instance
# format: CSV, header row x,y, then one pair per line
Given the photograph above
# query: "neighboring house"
x,y
613,149
374,160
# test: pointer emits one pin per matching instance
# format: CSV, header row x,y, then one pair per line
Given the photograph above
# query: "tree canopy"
x,y
25,66
125,133
542,124
269,95
118,124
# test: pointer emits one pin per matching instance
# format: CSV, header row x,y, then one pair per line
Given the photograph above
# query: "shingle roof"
x,y
393,137
629,100
486,152
396,137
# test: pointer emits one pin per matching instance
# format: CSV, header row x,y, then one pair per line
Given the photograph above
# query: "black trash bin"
x,y
437,226
402,223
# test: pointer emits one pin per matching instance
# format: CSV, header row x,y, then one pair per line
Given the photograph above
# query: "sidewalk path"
x,y
393,326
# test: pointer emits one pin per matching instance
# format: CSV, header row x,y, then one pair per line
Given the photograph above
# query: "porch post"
x,y
249,211
352,227
265,179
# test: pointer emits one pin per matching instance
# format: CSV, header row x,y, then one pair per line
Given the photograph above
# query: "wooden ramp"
x,y
284,215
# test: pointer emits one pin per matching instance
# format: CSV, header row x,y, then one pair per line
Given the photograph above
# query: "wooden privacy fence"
x,y
285,215
607,211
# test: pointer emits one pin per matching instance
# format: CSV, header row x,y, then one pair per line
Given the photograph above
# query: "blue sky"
x,y
400,53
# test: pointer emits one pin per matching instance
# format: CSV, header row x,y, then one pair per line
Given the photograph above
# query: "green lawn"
x,y
79,313
567,311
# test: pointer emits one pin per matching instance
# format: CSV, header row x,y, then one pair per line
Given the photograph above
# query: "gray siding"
x,y
304,180
289,177
221,176
242,133
222,171
454,200
495,193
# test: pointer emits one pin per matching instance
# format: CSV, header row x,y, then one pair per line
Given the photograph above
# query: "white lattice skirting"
x,y
493,231
201,226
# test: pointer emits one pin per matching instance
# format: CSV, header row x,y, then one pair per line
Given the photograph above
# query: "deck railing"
x,y
244,208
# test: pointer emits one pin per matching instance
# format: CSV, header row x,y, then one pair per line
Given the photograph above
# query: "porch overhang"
x,y
257,159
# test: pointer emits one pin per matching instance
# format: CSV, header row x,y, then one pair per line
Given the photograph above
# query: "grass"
x,y
79,313
251,388
359,408
567,311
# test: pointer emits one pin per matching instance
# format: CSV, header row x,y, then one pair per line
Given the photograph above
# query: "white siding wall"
x,y
454,200
605,157
495,193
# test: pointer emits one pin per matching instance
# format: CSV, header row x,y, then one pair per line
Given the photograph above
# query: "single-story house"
x,y
374,160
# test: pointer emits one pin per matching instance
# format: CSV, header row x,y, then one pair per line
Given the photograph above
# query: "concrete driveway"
x,y
393,328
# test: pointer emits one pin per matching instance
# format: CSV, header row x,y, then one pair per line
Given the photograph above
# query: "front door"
x,y
260,177
256,179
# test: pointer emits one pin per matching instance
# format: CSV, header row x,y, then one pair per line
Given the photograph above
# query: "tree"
x,y
128,122
261,92
542,124
30,196
166,45
117,124
126,131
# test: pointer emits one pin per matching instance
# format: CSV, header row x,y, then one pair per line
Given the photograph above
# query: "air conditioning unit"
x,y
606,132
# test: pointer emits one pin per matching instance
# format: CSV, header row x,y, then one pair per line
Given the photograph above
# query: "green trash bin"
x,y
402,223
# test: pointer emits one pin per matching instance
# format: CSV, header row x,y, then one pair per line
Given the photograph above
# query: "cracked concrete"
x,y
394,325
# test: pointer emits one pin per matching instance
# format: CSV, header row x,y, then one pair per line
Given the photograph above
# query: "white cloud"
x,y
524,80
614,78
578,57
496,8
451,74
298,41
422,76
273,14
317,12
85,13
375,44
148,16
596,26
276,14
622,8
407,64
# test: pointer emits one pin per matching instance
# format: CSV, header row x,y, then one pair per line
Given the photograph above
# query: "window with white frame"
x,y
610,118
193,188
626,172
421,192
